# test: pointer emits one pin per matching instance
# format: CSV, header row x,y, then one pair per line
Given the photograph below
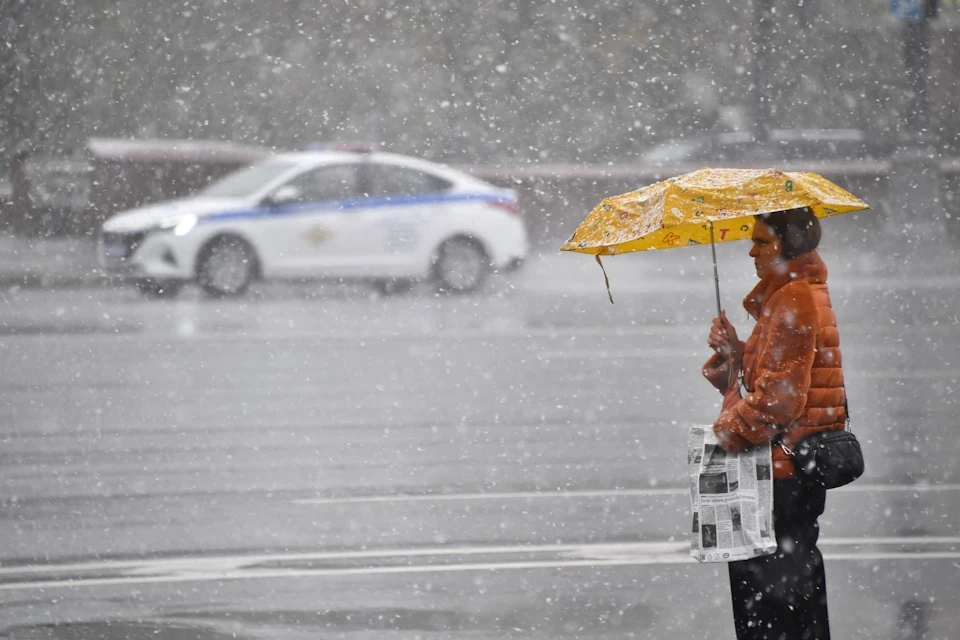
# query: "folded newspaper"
x,y
732,500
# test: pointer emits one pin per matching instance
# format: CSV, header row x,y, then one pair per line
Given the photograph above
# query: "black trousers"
x,y
783,596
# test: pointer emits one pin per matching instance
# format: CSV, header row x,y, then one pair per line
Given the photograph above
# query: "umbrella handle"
x,y
731,374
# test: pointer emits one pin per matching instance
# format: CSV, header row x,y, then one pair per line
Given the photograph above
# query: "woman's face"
x,y
766,248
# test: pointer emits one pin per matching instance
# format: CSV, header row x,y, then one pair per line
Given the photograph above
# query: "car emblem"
x,y
317,235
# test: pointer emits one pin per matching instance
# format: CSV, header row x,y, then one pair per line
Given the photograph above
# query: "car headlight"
x,y
180,225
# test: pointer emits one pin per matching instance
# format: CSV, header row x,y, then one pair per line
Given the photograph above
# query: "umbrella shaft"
x,y
716,274
731,374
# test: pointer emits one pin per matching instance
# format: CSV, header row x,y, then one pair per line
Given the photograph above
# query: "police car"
x,y
321,214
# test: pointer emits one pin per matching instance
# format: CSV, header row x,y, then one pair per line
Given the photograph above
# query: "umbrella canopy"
x,y
702,207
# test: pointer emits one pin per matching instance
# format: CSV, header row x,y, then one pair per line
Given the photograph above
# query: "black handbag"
x,y
829,458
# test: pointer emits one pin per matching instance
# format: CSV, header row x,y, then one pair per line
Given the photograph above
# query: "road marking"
x,y
596,550
236,561
304,573
597,493
492,566
244,567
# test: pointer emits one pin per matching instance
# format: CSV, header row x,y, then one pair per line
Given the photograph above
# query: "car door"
x,y
399,204
306,226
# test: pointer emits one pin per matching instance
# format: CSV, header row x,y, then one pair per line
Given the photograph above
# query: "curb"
x,y
40,280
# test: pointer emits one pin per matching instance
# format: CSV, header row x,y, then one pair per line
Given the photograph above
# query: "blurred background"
x,y
319,457
500,82
510,86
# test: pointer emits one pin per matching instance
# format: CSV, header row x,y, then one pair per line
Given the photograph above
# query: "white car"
x,y
321,214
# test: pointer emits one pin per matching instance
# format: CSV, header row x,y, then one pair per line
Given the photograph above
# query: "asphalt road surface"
x,y
317,461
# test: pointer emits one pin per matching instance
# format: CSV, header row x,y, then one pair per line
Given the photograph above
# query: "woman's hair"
x,y
798,230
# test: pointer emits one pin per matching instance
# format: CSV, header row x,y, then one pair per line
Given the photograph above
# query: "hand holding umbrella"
x,y
723,339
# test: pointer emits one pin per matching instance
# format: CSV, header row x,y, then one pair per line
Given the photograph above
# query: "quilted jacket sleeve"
x,y
781,378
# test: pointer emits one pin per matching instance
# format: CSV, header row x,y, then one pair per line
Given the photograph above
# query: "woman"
x,y
793,388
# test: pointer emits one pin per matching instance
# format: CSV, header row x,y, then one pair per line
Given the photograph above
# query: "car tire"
x,y
158,289
226,266
460,265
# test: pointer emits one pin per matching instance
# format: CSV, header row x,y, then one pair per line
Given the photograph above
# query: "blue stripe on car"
x,y
355,203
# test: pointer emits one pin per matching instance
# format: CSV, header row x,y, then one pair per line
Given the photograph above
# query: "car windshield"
x,y
247,182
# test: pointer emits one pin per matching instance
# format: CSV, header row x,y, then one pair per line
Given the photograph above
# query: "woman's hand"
x,y
723,339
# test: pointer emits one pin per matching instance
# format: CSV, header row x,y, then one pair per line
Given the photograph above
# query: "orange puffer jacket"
x,y
791,364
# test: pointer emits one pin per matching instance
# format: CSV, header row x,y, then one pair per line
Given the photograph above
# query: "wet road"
x,y
318,461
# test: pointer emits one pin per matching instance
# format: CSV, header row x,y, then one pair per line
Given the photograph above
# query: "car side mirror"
x,y
282,195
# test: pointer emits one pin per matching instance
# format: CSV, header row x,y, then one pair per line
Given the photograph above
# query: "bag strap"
x,y
846,410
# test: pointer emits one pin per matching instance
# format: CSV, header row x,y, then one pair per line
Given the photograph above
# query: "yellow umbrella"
x,y
709,205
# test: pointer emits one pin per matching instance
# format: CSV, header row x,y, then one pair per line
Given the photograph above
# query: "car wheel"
x,y
460,265
158,289
226,266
